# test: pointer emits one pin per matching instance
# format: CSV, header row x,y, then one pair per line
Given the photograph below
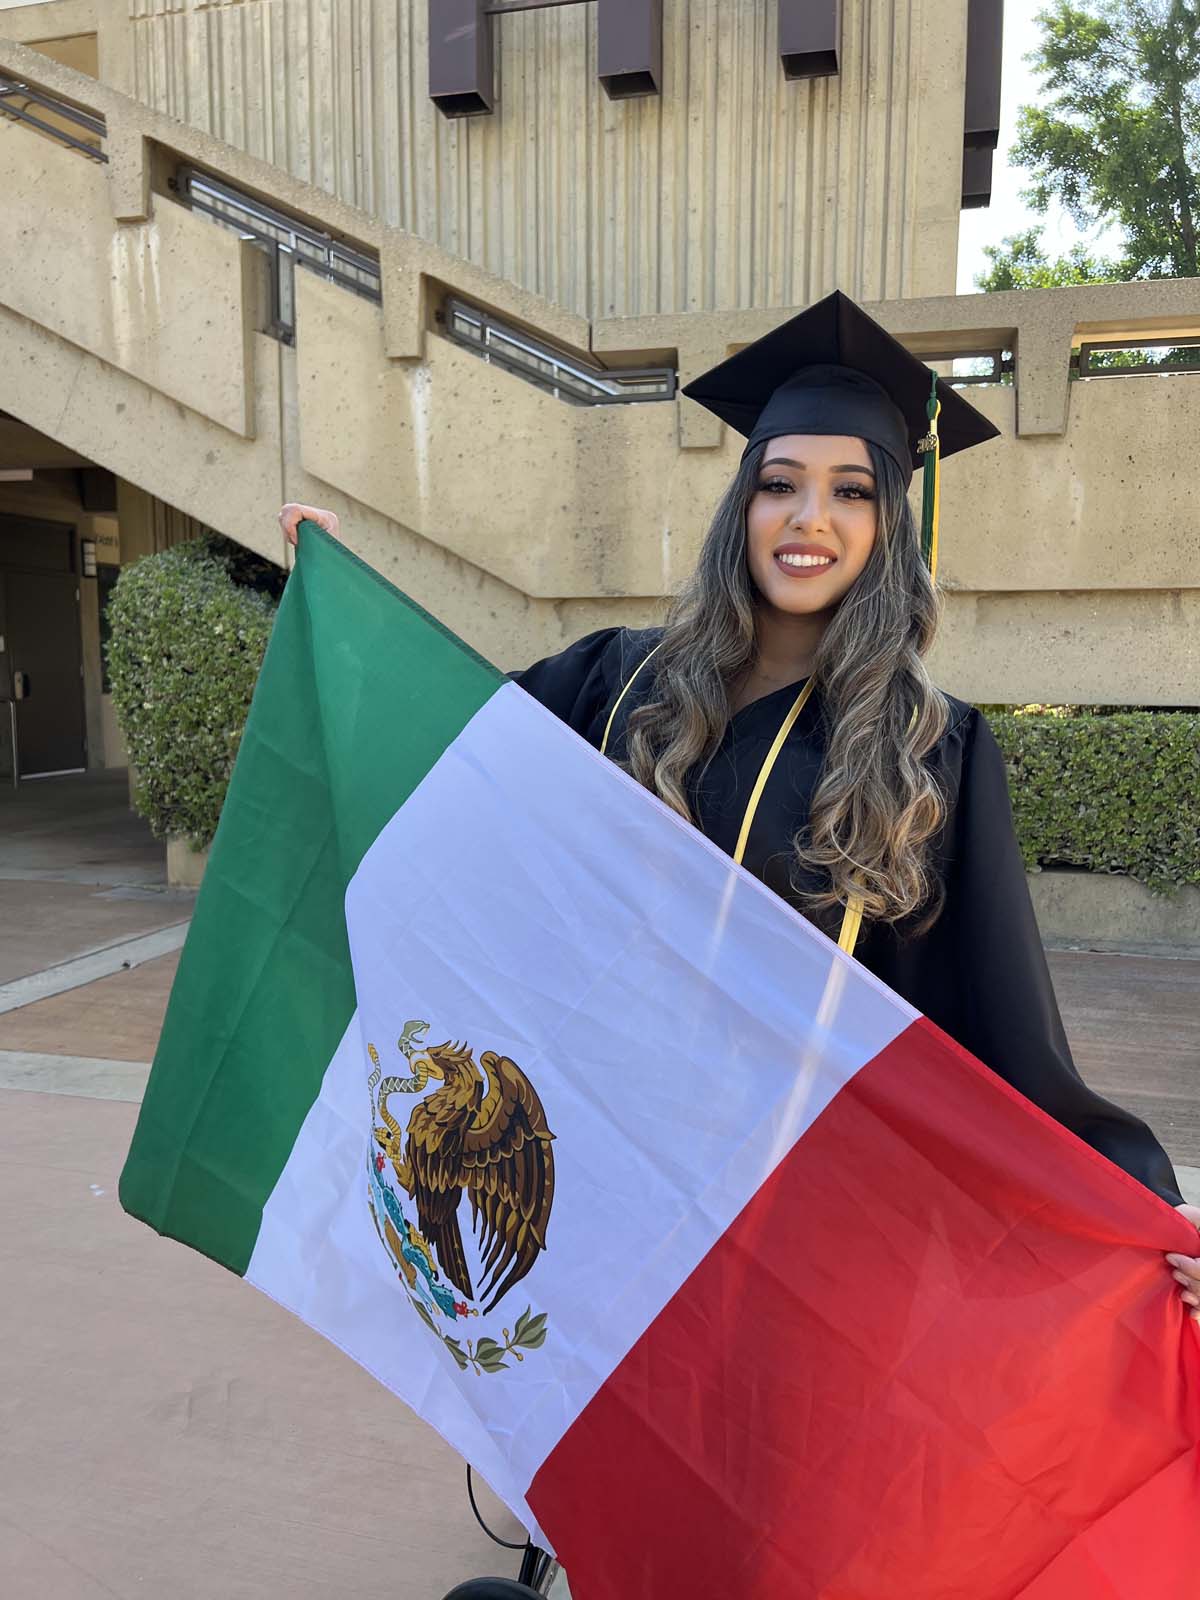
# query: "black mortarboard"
x,y
835,370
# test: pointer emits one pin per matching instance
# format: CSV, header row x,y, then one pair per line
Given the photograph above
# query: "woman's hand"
x,y
1187,1268
293,515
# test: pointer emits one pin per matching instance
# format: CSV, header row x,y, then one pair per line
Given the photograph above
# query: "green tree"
x,y
1022,263
1116,138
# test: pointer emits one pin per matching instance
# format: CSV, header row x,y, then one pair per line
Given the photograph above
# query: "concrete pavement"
x,y
169,1431
78,874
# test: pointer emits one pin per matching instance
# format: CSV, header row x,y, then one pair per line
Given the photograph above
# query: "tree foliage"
x,y
1022,263
1116,137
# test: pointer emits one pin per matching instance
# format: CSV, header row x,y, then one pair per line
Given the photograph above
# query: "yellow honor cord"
x,y
764,772
852,920
930,448
628,685
851,923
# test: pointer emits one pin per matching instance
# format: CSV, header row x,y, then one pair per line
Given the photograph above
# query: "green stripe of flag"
x,y
360,694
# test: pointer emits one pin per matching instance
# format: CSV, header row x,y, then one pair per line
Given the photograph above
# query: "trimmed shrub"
x,y
1107,791
187,642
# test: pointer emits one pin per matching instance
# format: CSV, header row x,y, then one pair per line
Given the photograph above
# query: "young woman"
x,y
785,709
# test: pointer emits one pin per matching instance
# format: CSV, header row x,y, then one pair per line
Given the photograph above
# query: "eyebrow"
x,y
847,466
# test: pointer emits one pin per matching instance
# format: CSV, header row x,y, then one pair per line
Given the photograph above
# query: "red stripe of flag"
x,y
937,1357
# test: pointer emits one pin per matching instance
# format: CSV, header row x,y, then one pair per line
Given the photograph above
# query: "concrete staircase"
x,y
132,332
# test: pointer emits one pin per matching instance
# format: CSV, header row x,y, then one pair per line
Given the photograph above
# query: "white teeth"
x,y
805,561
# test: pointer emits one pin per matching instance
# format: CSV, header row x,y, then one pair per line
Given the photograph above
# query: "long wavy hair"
x,y
876,807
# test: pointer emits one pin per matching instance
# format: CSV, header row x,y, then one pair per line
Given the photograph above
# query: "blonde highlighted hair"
x,y
876,807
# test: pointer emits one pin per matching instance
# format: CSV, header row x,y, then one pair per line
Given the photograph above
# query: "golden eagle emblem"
x,y
482,1133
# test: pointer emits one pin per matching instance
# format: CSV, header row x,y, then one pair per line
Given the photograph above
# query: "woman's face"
x,y
816,497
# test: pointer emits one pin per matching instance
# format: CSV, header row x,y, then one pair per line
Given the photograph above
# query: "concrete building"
x,y
444,270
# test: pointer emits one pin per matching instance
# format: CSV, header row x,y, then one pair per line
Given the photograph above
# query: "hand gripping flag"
x,y
731,1273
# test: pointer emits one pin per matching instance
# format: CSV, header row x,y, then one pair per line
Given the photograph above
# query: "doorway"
x,y
40,646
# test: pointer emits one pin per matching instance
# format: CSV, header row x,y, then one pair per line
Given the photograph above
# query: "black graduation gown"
x,y
980,972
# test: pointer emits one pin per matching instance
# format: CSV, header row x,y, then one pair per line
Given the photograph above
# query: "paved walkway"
x,y
171,1432
1134,1027
168,1431
79,873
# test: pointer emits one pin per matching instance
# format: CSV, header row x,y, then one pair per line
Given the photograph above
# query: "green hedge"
x,y
187,641
1105,791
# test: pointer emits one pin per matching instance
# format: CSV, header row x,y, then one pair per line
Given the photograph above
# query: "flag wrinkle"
x,y
754,886
1153,1204
233,1020
1087,1533
426,901
313,530
990,1162
220,882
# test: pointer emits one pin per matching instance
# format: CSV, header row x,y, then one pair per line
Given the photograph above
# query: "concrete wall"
x,y
1070,546
47,19
65,30
132,302
1104,911
734,187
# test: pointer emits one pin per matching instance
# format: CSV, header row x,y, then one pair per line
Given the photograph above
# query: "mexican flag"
x,y
730,1272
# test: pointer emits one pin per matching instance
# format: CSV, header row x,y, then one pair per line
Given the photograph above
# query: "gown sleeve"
x,y
576,683
1007,1013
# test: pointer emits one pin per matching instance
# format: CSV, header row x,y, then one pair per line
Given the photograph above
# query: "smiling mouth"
x,y
804,566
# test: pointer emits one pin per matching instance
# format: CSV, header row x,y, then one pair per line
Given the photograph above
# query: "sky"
x,y
1008,213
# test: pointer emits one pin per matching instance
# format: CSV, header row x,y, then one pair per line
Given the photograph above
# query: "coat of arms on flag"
x,y
742,1278
480,1137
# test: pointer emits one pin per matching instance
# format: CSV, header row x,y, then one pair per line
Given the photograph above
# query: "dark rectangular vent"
x,y
976,177
810,34
461,81
985,44
630,47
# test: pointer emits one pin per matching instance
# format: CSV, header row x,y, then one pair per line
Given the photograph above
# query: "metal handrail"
x,y
96,125
286,240
1137,368
1002,362
567,377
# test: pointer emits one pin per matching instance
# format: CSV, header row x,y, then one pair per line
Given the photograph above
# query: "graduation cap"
x,y
835,370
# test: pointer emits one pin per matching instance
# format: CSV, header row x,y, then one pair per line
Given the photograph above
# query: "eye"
x,y
853,491
775,486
